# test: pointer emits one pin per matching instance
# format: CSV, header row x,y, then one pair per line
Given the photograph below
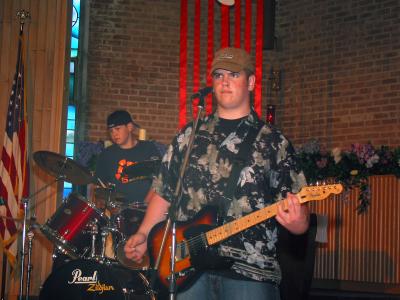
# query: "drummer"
x,y
125,151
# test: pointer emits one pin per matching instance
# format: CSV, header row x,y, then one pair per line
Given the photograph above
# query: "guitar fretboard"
x,y
306,194
223,232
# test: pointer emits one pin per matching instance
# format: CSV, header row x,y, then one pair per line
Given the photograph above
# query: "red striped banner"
x,y
210,51
247,27
196,55
183,64
225,24
259,57
246,43
238,17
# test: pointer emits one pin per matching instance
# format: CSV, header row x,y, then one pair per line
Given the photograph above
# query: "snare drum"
x,y
71,226
88,279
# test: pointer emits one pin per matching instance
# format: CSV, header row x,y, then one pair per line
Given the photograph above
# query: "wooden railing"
x,y
363,250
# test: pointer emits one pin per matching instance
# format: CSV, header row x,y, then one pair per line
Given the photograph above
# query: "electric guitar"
x,y
195,237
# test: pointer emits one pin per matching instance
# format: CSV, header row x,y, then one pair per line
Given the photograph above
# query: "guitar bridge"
x,y
183,273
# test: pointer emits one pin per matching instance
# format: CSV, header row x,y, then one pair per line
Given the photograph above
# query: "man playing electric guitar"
x,y
267,173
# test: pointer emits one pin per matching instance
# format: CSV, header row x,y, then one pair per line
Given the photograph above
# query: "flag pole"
x,y
23,15
3,275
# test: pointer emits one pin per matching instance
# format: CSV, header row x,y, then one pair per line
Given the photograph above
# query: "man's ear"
x,y
251,82
130,126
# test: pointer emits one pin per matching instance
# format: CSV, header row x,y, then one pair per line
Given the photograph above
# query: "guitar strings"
x,y
195,242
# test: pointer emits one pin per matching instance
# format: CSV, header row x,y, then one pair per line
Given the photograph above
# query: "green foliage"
x,y
350,167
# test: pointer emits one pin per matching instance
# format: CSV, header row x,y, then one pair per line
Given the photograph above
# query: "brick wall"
x,y
341,66
339,63
133,63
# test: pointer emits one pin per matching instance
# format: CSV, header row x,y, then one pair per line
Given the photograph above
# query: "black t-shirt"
x,y
113,160
227,126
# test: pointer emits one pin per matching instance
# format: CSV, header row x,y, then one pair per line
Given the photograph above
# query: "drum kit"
x,y
89,237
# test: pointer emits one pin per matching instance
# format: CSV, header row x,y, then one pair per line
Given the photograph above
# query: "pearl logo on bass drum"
x,y
93,284
78,278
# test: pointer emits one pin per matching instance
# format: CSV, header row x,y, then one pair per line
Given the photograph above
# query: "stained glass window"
x,y
76,12
71,115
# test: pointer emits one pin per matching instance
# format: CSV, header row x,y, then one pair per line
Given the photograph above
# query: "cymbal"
x,y
31,222
142,170
11,218
59,165
108,195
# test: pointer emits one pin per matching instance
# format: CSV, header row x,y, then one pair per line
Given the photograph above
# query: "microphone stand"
x,y
170,225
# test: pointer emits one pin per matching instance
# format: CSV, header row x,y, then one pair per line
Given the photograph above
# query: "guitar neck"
x,y
308,193
223,232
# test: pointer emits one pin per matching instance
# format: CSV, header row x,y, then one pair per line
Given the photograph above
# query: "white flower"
x,y
372,160
337,155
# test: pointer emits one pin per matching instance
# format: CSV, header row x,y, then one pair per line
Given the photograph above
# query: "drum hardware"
x,y
69,231
142,170
89,279
29,262
93,232
137,206
77,217
125,224
111,198
31,222
105,231
61,166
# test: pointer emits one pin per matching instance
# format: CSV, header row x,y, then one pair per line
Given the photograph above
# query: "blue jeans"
x,y
216,287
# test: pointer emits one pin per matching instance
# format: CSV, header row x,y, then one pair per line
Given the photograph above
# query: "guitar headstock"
x,y
318,192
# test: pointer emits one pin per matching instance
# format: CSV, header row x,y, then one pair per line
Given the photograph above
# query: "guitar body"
x,y
193,259
195,238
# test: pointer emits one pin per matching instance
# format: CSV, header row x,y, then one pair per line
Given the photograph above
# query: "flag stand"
x,y
22,272
3,277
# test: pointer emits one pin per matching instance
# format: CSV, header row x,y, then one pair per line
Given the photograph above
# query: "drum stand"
x,y
31,235
29,267
25,202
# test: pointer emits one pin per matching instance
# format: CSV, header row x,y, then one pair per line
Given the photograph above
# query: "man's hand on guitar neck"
x,y
295,217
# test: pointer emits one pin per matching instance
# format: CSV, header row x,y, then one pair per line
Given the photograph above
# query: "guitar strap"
x,y
238,163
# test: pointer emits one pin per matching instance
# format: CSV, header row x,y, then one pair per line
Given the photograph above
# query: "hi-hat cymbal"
x,y
59,165
142,170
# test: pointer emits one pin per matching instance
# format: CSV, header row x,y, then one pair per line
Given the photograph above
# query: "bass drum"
x,y
88,279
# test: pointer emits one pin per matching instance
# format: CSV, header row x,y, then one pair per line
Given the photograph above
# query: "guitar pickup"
x,y
181,251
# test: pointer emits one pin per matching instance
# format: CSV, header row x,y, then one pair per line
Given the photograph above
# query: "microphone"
x,y
202,93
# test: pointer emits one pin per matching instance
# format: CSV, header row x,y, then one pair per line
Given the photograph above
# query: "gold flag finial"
x,y
23,14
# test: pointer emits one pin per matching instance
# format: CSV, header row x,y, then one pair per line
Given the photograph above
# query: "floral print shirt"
x,y
268,174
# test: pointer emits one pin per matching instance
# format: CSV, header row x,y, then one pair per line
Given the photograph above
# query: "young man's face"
x,y
232,89
121,134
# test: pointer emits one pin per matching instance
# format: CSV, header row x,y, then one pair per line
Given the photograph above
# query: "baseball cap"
x,y
232,59
120,117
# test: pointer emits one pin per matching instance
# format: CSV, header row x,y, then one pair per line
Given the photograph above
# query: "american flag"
x,y
14,166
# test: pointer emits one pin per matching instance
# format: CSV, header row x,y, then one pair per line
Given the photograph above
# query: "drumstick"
x,y
103,185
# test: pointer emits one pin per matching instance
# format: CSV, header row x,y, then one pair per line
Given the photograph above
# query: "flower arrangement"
x,y
87,153
350,167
